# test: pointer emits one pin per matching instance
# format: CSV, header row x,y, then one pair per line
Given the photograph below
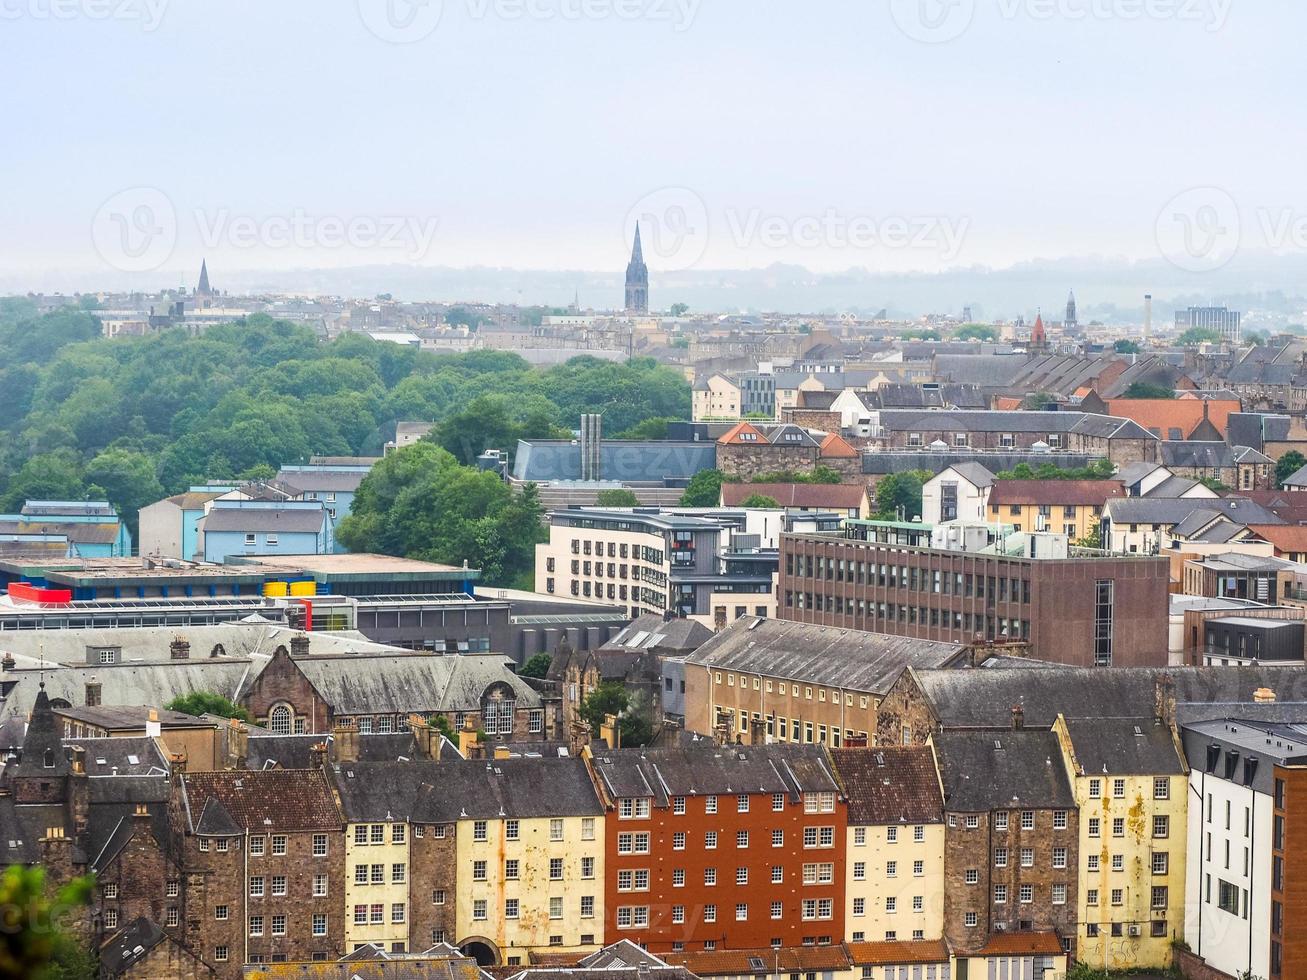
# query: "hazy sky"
x,y
529,133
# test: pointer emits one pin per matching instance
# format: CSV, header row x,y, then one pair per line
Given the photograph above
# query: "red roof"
x,y
1059,493
832,496
738,435
899,953
1022,944
1285,537
1165,417
834,447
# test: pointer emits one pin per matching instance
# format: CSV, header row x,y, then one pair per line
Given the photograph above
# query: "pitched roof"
x,y
743,434
1022,944
896,953
284,799
834,447
250,519
422,683
1174,418
1285,537
748,962
1172,510
1059,493
1124,745
703,767
652,632
1003,769
890,784
821,655
819,496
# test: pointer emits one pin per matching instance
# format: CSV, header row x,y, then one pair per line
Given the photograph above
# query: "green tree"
x,y
1144,389
128,479
56,475
898,496
616,497
976,331
36,941
207,703
611,698
705,489
460,316
1094,539
760,501
1287,465
1198,335
1125,347
648,429
679,309
537,666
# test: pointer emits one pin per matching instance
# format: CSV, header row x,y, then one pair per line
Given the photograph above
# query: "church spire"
x,y
203,289
637,278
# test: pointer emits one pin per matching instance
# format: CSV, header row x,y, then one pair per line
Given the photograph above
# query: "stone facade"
x,y
433,896
750,461
992,860
139,880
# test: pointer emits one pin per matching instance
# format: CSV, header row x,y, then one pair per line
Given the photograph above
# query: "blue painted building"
x,y
334,484
234,528
92,528
170,528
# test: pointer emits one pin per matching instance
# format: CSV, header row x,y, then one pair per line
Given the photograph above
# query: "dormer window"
x,y
48,762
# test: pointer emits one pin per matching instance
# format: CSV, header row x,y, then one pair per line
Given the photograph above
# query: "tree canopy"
x,y
704,490
611,698
898,496
760,502
206,703
1287,465
976,331
616,497
1198,335
1144,389
1125,347
135,418
420,502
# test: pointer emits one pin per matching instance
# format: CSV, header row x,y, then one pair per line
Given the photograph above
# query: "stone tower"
x,y
637,279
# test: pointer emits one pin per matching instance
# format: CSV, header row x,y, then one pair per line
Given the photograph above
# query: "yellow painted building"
x,y
1070,507
377,885
1130,782
529,859
894,867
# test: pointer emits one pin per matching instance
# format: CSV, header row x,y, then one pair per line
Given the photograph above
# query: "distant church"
x,y
637,279
204,293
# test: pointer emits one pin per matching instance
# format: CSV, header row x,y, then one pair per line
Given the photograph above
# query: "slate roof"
x,y
652,631
984,698
22,827
280,799
1172,510
831,959
292,520
964,421
119,952
404,684
294,751
520,787
385,967
1006,769
820,655
316,480
702,767
41,745
1121,746
974,473
1209,455
890,784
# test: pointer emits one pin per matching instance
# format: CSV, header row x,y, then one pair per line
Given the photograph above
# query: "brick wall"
x,y
281,681
1193,967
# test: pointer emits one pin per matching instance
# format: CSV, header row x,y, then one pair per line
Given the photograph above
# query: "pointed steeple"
x,y
43,752
1071,318
203,289
1037,336
637,278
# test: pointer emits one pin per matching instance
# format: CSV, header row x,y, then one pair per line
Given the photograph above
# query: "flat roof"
x,y
353,565
1258,623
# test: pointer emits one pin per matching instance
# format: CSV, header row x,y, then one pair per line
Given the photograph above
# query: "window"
x,y
678,914
1095,789
319,886
1059,820
710,804
973,821
319,845
678,805
256,886
256,846
972,876
1161,826
1027,857
111,891
1059,894
587,867
970,920
1118,789
587,906
742,803
1000,857
397,874
1159,896
918,834
479,871
742,839
512,830
1118,862
1093,828
891,904
219,952
1161,862
511,870
479,910
1059,857
319,924
859,871
778,802
1000,820
555,869
1026,894
1027,819
741,876
279,720
510,908
778,838
710,876
891,869
709,913
256,925
279,885
777,910
1161,788
1118,826
678,878
891,835
111,918
221,913
438,897
741,912
634,809
1000,894
478,830
556,830
710,840
587,828
678,841
1091,896
377,835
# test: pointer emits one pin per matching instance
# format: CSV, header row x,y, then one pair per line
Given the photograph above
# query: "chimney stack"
x,y
608,732
299,645
468,740
345,739
318,755
1164,700
1264,695
1018,717
1148,315
180,649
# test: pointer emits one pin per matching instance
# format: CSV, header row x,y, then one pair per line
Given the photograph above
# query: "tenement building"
x,y
1082,611
1011,838
711,846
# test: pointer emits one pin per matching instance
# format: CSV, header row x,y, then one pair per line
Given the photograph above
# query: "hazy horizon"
x,y
898,138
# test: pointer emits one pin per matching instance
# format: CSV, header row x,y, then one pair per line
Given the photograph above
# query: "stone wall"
x,y
1194,967
432,869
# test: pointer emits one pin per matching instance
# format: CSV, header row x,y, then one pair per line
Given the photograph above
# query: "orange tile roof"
x,y
899,953
836,496
834,447
733,437
1005,404
1285,537
733,962
1161,415
1021,944
1058,493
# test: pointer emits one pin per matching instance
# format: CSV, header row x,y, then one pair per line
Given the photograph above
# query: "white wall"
x,y
972,500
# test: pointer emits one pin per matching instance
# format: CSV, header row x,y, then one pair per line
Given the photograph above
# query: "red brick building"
x,y
723,847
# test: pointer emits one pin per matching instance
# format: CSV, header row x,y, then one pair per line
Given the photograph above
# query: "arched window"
x,y
49,759
279,720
